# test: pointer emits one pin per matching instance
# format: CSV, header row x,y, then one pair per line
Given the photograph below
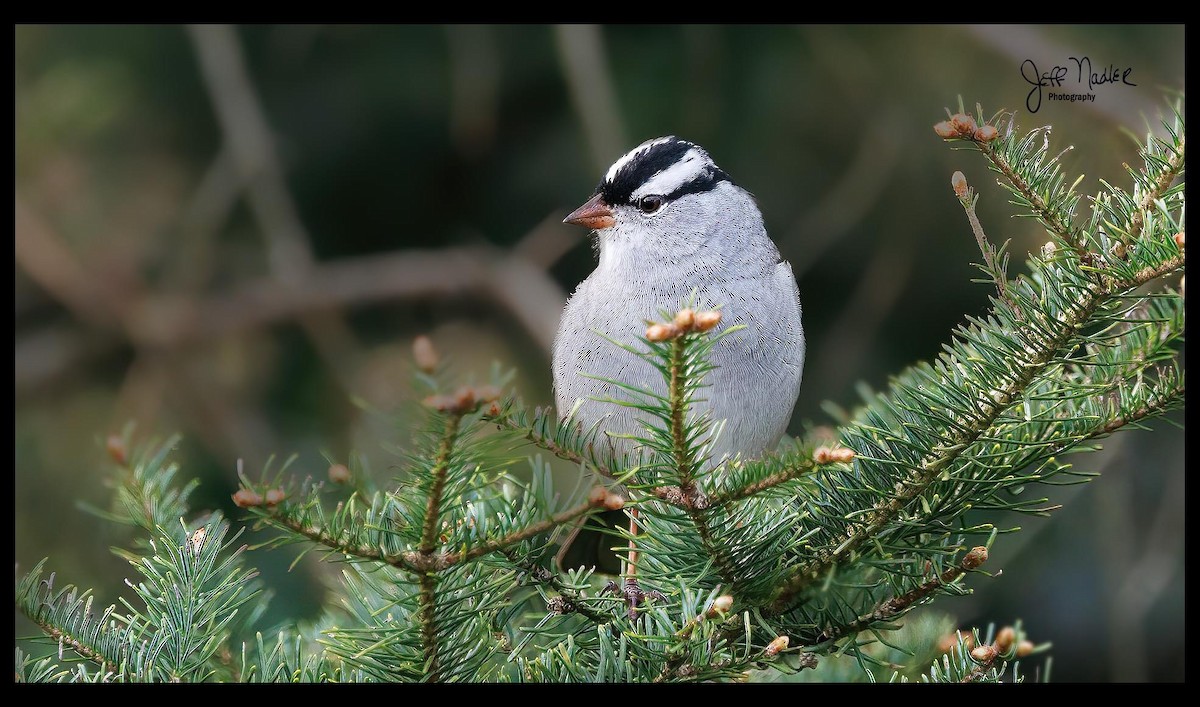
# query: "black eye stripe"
x,y
707,181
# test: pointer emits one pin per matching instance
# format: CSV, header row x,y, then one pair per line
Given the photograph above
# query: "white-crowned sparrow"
x,y
669,222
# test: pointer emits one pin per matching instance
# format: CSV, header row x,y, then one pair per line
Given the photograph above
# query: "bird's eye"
x,y
650,204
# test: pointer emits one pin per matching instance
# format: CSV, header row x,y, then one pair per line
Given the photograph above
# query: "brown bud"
x,y
493,409
945,130
614,502
983,654
339,474
275,496
662,332
685,319
959,182
986,133
963,124
841,454
1179,240
115,444
425,356
778,644
1005,639
823,455
245,498
1024,648
1049,250
707,319
976,557
720,606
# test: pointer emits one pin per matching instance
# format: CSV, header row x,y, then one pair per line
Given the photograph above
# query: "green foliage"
x,y
747,565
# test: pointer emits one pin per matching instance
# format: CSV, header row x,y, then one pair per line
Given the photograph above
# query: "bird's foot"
x,y
634,595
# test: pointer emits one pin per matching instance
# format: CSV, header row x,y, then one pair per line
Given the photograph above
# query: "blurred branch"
x,y
521,287
208,209
528,291
52,264
547,242
585,68
248,138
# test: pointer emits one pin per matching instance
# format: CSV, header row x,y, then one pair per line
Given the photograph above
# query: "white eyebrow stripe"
x,y
690,166
624,159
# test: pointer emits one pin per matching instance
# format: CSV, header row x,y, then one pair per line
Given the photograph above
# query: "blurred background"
x,y
235,233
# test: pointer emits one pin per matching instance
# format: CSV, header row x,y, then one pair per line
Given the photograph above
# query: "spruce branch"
x,y
681,366
427,580
1044,194
1167,173
993,264
789,473
416,561
445,560
896,606
571,599
67,619
441,464
427,617
146,496
571,443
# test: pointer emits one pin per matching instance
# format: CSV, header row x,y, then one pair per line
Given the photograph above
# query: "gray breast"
x,y
757,379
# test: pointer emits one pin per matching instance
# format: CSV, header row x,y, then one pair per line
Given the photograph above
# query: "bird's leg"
x,y
634,596
631,562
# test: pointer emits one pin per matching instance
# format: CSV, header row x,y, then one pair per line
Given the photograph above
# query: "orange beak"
x,y
594,214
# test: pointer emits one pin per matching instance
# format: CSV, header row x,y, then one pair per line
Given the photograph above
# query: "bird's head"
x,y
665,194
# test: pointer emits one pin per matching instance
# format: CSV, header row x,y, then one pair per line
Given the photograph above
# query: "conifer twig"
x,y
1049,217
780,477
450,559
1174,166
63,638
669,494
572,601
696,501
414,560
890,608
427,598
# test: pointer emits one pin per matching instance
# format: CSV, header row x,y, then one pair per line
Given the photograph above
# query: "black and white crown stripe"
x,y
666,166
